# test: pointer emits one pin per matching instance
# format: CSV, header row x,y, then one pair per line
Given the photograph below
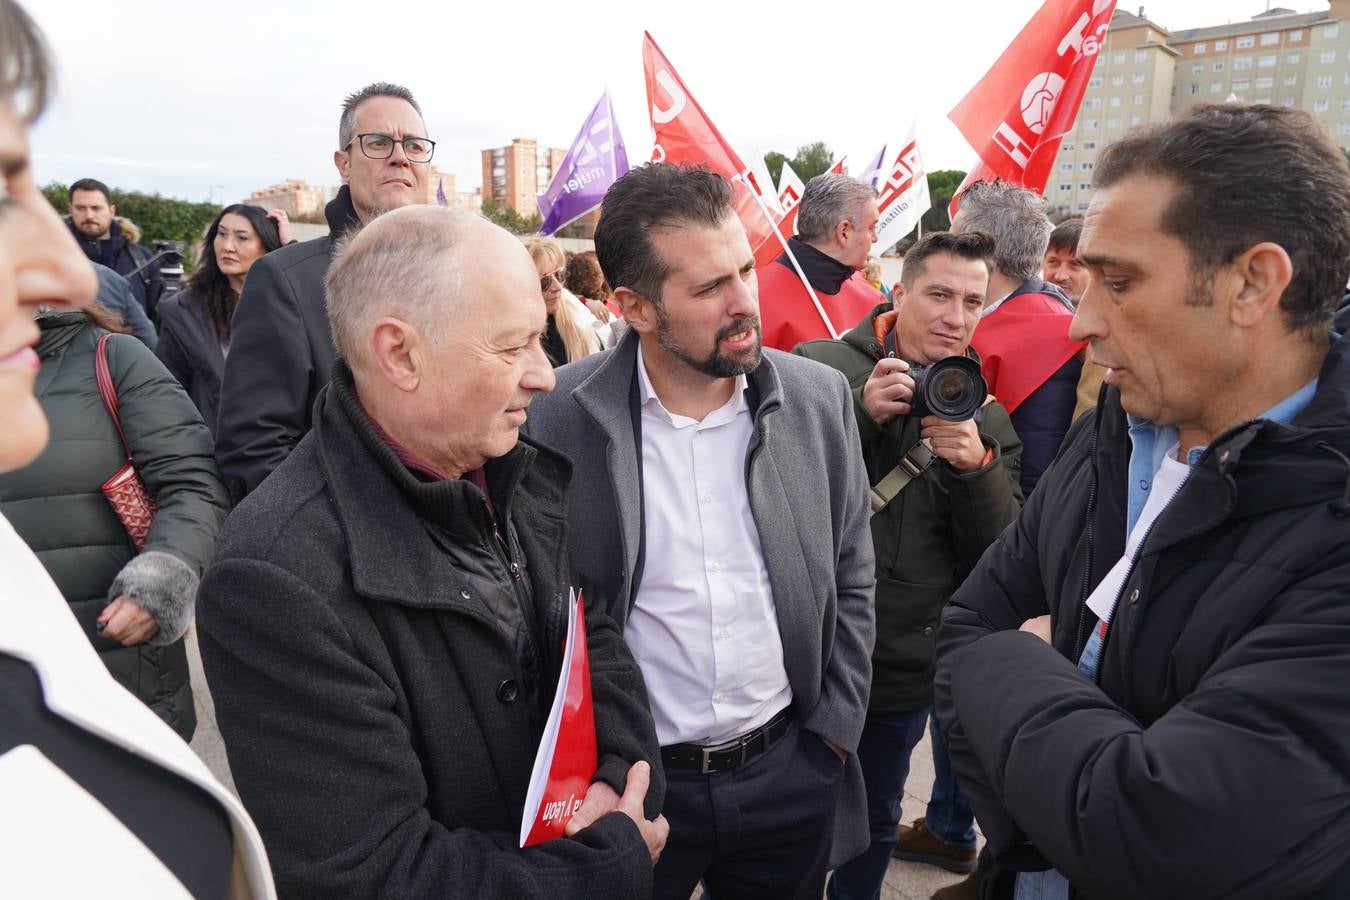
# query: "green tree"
x,y
942,186
159,218
773,161
812,160
511,220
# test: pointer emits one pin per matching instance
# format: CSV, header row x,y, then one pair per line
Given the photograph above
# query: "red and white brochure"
x,y
567,758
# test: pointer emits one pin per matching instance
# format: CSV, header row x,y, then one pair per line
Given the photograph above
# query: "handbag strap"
x,y
106,389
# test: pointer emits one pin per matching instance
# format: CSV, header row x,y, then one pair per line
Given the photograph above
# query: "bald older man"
x,y
383,623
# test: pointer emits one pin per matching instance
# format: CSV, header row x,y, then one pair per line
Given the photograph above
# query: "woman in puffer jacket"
x,y
134,607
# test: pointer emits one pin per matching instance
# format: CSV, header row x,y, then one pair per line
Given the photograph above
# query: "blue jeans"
x,y
949,817
883,752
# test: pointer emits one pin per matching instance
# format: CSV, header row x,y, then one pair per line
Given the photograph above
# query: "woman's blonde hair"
x,y
577,336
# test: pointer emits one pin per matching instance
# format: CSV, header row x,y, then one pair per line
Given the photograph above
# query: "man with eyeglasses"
x,y
281,352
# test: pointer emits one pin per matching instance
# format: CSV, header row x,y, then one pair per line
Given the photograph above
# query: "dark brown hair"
x,y
974,245
1246,175
584,277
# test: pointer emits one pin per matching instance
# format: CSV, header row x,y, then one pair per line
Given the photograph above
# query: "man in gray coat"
x,y
720,514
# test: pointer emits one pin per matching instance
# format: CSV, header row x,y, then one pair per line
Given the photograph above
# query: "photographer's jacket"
x,y
1211,757
931,533
382,673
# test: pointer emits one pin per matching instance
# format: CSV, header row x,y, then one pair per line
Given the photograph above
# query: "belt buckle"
x,y
740,743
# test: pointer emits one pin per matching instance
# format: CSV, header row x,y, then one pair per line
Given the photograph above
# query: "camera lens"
x,y
954,389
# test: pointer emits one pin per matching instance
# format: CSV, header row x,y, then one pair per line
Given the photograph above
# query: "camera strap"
x,y
913,464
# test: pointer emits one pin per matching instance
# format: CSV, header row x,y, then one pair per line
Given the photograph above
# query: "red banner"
x,y
1027,101
683,133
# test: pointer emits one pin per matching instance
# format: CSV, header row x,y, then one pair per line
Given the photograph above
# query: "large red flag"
x,y
684,134
1017,114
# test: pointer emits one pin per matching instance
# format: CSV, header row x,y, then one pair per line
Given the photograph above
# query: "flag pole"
x,y
797,267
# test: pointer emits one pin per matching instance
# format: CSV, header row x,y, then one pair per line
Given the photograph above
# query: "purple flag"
x,y
596,161
876,171
440,192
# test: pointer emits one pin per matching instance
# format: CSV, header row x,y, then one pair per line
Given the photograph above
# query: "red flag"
x,y
1017,114
684,134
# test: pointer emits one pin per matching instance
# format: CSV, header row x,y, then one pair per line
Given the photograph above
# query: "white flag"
x,y
903,197
790,187
761,182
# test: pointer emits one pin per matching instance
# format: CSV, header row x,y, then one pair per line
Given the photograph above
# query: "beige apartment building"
x,y
1145,73
297,197
514,175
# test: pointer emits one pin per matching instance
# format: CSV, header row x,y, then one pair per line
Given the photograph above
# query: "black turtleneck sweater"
x,y
826,274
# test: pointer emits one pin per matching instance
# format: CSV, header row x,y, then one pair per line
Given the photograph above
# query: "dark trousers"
x,y
949,817
759,831
887,741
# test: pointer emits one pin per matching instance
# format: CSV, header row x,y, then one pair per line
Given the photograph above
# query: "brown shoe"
x,y
965,889
917,844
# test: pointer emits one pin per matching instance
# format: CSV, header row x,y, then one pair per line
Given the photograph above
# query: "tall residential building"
x,y
297,197
514,175
1144,73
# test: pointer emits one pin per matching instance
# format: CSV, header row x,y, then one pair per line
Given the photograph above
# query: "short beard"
x,y
714,364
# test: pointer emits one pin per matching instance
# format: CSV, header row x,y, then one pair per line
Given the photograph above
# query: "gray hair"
x,y
347,124
26,77
828,200
1015,218
403,264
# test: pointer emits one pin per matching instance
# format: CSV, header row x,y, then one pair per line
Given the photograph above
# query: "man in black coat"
x,y
280,349
383,624
1143,683
101,238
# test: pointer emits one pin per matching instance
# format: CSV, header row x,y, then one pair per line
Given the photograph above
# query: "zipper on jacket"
x,y
1086,590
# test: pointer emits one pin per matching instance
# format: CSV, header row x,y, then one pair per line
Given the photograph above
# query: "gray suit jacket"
x,y
808,494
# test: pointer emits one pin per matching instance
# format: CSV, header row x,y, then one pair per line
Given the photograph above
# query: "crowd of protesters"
x,y
1073,500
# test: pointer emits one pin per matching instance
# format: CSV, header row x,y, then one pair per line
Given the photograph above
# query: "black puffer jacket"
x,y
1212,759
931,533
57,507
382,673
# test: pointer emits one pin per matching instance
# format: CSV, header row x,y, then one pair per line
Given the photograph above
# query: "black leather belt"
x,y
730,755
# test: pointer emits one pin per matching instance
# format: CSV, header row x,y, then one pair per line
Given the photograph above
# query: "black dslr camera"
x,y
951,389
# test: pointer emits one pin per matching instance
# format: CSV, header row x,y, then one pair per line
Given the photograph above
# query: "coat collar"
x,y
387,515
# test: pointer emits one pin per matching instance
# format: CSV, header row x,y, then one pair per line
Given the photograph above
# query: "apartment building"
x,y
514,175
1144,73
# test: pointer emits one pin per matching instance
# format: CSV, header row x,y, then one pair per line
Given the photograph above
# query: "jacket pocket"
x,y
907,623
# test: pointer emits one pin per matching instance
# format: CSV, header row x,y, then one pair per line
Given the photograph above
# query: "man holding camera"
x,y
942,491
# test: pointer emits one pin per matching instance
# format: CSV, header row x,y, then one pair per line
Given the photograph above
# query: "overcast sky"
x,y
212,100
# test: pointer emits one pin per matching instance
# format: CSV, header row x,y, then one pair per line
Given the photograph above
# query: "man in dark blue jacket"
x,y
102,239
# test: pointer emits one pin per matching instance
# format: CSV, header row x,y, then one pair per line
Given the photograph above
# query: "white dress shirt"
x,y
703,626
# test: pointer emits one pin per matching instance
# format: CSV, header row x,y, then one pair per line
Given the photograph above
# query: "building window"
x,y
1270,38
1095,81
1066,187
1241,85
1263,83
1347,79
1137,78
1141,56
1288,101
1329,56
1082,206
1118,78
1296,36
1199,48
1066,147
1086,167
1085,185
1137,100
1345,103
1242,62
1195,89
1135,120
1330,31
1266,62
1290,80
1089,145
1219,66
1113,122
1115,101
1118,59
1220,46
1293,59
1091,124
1215,87
1244,42
1093,103
1066,167
1343,128
1324,81
1320,105
1197,68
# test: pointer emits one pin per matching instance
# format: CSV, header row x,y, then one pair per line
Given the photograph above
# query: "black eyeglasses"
x,y
381,146
559,276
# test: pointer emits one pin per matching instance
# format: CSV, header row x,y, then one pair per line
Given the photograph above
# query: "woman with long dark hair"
x,y
194,332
